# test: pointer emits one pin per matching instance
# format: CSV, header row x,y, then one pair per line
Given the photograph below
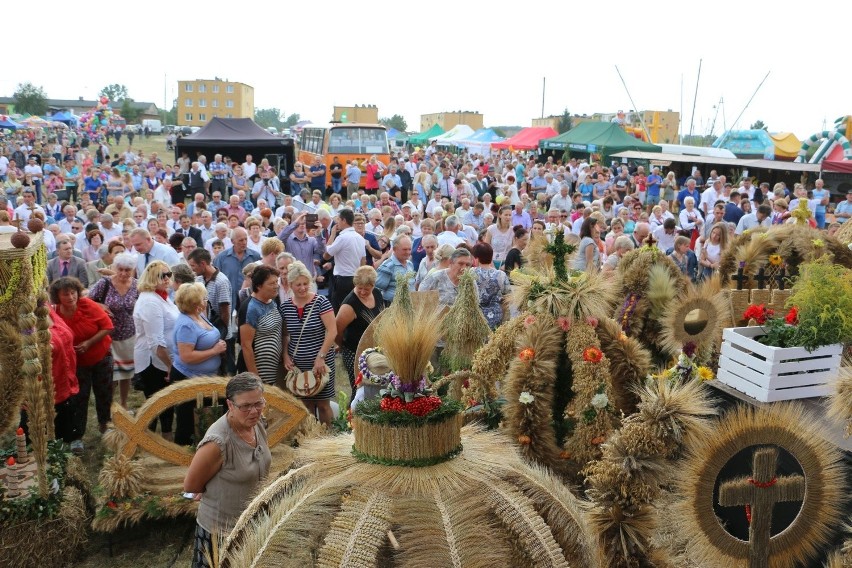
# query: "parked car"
x,y
154,125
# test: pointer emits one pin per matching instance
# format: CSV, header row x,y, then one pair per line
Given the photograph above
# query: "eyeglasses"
x,y
249,406
165,275
564,216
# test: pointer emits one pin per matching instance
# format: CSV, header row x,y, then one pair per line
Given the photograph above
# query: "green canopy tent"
x,y
422,139
603,138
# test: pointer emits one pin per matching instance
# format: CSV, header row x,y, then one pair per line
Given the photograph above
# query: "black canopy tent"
x,y
236,137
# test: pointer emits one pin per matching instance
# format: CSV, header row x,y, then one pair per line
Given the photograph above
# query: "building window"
x,y
188,117
188,87
229,88
202,88
215,103
230,115
215,88
202,103
202,117
229,103
188,103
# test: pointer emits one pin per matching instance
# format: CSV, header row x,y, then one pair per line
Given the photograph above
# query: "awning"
x,y
666,159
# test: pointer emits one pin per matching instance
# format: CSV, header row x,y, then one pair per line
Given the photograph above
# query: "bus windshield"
x,y
359,140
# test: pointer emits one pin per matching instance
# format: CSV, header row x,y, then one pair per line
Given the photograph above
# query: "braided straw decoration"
x,y
358,532
400,443
42,313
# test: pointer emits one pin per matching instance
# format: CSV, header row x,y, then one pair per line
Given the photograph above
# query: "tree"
x,y
565,122
267,117
291,120
758,125
30,99
128,111
396,121
171,116
114,92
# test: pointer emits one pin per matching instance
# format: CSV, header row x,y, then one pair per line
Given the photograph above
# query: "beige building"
x,y
202,99
365,114
447,120
662,125
553,121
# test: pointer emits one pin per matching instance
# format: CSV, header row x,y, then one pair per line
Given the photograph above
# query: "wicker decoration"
x,y
138,435
678,329
782,425
485,508
428,443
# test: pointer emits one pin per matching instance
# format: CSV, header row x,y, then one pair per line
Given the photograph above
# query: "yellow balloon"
x,y
499,199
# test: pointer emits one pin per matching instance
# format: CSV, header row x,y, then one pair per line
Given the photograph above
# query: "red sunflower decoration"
x,y
592,355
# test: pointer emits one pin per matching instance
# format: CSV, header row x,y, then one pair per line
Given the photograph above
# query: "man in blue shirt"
x,y
148,249
688,191
317,175
819,192
843,211
733,212
231,262
653,183
353,178
398,262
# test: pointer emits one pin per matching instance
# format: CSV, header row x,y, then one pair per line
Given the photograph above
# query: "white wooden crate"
x,y
768,373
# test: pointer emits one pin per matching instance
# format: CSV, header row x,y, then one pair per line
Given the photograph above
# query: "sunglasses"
x,y
165,275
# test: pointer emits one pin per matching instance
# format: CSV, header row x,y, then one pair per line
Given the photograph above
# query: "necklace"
x,y
251,440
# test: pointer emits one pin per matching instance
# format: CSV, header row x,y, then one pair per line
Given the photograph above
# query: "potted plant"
x,y
795,355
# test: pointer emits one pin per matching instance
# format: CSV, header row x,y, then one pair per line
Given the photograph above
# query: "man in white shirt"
x,y
220,232
450,234
25,210
375,224
249,167
109,228
348,249
70,213
149,250
666,234
562,201
34,170
709,197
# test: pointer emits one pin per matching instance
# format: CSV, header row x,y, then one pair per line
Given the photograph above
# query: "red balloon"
x,y
104,100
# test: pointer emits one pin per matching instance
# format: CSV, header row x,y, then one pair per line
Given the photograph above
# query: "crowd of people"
x,y
216,267
160,272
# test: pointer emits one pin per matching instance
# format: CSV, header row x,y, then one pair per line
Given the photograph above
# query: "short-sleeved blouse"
x,y
120,306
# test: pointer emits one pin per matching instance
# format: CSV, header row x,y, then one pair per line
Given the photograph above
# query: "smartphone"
x,y
311,220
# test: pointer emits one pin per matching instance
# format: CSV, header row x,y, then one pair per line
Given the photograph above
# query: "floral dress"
x,y
493,284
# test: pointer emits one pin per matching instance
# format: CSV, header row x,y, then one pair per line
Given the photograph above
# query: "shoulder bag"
x,y
305,383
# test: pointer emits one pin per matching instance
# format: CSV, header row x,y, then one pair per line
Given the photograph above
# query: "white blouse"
x,y
154,319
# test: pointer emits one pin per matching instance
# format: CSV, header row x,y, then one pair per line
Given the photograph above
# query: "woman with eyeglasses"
x,y
199,350
154,317
117,295
228,466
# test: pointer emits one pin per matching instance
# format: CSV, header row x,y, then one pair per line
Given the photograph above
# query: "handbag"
x,y
377,175
305,383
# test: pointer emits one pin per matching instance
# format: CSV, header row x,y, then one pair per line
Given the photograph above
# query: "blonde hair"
x,y
150,278
271,246
251,222
296,270
444,252
189,297
365,276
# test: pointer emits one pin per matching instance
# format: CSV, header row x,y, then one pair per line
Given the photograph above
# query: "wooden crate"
x,y
769,374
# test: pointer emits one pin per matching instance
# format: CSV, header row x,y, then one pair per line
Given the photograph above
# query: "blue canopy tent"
x,y
480,141
8,123
64,117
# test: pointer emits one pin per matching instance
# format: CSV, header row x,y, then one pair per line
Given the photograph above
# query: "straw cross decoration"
x,y
759,494
560,250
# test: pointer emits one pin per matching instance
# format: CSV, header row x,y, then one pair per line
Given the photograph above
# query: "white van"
x,y
154,125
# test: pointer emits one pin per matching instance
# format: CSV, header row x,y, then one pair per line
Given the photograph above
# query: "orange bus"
x,y
345,141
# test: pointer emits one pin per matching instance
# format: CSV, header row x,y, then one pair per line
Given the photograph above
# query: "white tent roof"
x,y
458,132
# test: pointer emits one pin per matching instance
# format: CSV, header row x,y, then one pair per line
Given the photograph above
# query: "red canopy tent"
x,y
526,139
834,162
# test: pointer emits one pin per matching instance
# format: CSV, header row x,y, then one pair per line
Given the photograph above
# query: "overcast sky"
x,y
433,56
